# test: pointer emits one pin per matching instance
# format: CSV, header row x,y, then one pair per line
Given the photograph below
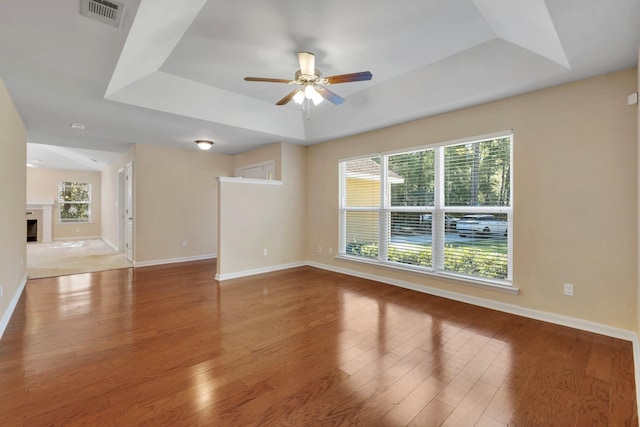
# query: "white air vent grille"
x,y
108,12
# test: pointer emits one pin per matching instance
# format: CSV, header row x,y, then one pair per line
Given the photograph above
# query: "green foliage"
x,y
410,256
418,186
465,260
478,174
74,192
74,212
366,250
74,199
460,259
417,170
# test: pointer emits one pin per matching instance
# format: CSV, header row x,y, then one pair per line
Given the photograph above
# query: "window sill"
x,y
494,285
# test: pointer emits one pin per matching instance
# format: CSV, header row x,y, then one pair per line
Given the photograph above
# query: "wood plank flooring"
x,y
168,345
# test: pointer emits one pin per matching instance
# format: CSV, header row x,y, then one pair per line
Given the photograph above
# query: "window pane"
x,y
410,240
362,182
74,201
411,178
478,174
479,248
74,192
362,234
74,212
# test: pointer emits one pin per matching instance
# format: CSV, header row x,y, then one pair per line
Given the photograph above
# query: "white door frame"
x,y
120,207
128,212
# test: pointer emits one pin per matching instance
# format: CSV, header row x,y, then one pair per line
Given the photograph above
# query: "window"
x,y
443,209
74,199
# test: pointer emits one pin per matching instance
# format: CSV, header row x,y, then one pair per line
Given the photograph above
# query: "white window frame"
x,y
64,202
438,211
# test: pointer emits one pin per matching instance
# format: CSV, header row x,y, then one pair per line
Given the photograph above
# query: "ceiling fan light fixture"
x,y
311,93
299,97
311,83
204,144
317,99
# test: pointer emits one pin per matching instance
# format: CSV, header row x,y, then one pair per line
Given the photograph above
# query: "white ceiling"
x,y
173,72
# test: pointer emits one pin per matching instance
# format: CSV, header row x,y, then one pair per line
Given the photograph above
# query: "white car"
x,y
449,222
482,224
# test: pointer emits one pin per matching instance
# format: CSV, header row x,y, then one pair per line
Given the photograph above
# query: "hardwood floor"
x,y
168,345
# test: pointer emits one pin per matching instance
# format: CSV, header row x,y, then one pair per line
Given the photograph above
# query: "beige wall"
x,y
175,201
43,184
260,155
13,158
575,195
294,184
254,217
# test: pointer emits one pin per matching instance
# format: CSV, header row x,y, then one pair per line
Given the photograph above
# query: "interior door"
x,y
128,211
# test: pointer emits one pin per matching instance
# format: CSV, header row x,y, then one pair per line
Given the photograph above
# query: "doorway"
x,y
125,211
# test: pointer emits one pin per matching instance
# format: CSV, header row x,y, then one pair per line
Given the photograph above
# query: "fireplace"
x,y
41,212
32,230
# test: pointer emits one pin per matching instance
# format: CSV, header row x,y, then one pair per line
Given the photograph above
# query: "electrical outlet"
x,y
330,251
319,249
568,289
265,252
184,243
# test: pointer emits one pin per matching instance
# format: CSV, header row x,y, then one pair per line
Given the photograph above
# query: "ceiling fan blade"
x,y
265,79
346,78
307,63
287,98
329,96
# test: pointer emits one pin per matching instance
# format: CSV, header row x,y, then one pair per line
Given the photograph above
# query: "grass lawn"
x,y
485,244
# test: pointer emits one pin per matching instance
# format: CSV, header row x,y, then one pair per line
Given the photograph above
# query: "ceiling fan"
x,y
311,83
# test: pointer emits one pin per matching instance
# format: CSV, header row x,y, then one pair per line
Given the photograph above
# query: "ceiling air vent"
x,y
108,12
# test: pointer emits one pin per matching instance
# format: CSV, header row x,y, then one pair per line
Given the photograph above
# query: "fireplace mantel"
x,y
47,216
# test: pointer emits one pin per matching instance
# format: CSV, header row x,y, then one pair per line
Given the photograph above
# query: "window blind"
x,y
444,210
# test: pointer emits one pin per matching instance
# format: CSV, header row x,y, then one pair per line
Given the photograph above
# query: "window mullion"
x,y
342,212
439,230
383,216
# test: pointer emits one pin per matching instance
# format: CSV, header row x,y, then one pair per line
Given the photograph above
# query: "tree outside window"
x,y
74,200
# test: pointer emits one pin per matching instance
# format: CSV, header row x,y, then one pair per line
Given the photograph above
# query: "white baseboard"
x,y
173,260
261,270
4,322
544,316
111,245
636,370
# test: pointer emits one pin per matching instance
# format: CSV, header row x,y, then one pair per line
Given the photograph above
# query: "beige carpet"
x,y
62,257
